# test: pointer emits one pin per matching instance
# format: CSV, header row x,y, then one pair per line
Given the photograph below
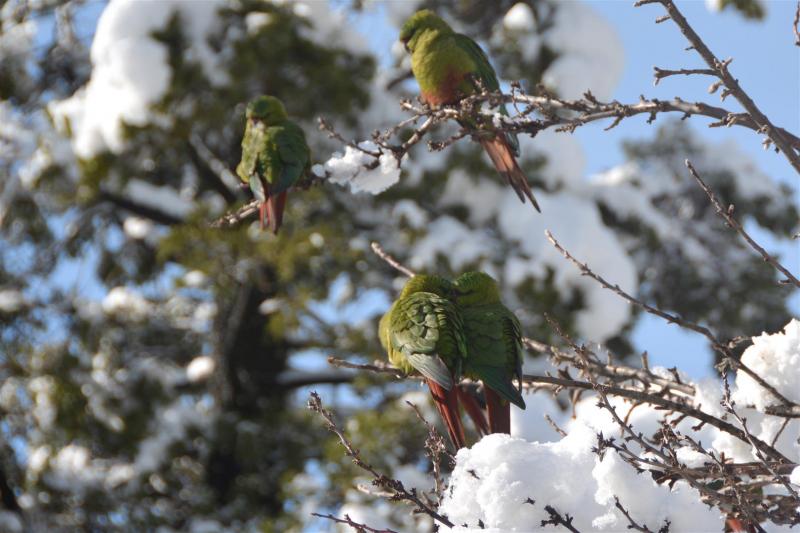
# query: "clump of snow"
x,y
776,358
270,305
171,425
519,18
137,227
195,278
480,196
411,212
125,304
493,480
130,69
559,168
44,408
11,300
590,53
200,368
351,168
446,235
588,239
163,198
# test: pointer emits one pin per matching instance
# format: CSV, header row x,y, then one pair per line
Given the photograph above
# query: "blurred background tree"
x,y
154,369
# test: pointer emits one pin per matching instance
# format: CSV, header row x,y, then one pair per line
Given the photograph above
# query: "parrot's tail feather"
x,y
502,156
275,206
734,524
499,411
263,214
474,410
447,403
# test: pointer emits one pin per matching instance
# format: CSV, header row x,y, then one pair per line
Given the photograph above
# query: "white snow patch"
x,y
131,71
585,236
519,18
449,237
11,300
200,368
351,169
124,303
137,227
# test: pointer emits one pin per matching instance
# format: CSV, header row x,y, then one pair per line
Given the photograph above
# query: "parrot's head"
x,y
418,24
473,288
266,109
424,283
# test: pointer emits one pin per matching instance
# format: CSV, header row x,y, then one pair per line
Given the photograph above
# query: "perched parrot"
x,y
423,331
275,157
446,65
494,340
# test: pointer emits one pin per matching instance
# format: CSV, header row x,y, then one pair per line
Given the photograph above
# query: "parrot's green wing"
x,y
495,349
485,72
427,329
254,143
289,156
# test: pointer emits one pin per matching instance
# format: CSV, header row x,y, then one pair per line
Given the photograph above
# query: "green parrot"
x,y
495,350
423,332
446,65
275,157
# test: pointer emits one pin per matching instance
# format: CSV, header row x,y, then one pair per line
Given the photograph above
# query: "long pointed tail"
x,y
499,411
447,403
473,409
502,157
274,210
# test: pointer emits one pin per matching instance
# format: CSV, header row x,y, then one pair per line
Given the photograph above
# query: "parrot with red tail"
x,y
275,157
423,332
447,66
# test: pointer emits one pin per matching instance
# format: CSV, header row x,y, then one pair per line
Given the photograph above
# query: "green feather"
x,y
493,334
423,331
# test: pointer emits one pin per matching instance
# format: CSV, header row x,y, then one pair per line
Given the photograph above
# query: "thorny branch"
x,y
393,486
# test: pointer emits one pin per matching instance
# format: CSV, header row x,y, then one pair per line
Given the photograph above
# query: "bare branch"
x,y
661,73
396,487
360,528
727,215
720,68
391,261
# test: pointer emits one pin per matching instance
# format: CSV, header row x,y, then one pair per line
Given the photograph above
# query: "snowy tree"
x,y
157,348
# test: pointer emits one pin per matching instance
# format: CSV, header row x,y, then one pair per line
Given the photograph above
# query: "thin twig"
x,y
394,486
727,215
718,345
732,84
360,528
391,261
